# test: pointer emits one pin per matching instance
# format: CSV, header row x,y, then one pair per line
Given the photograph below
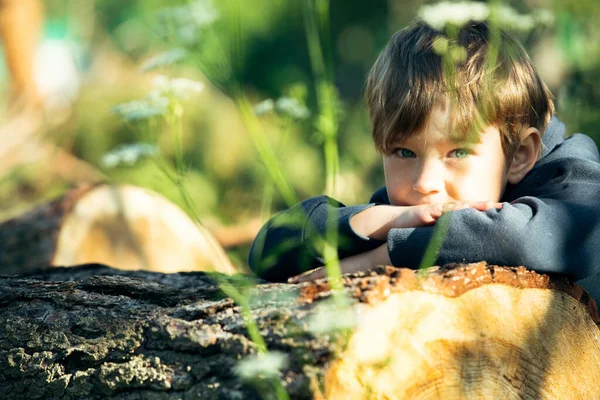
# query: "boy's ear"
x,y
525,156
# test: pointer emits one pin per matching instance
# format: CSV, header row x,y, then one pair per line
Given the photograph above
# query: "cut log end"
x,y
134,228
473,331
123,226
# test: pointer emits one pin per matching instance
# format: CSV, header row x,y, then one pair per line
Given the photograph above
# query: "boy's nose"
x,y
430,178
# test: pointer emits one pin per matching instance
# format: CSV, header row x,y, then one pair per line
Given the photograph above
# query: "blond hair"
x,y
410,78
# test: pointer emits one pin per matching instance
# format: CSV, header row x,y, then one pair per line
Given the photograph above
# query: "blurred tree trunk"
x,y
22,136
20,27
473,331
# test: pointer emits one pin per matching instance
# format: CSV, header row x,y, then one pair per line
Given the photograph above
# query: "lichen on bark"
x,y
94,332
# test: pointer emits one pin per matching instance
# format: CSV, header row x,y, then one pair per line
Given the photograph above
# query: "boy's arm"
x,y
288,244
557,231
546,235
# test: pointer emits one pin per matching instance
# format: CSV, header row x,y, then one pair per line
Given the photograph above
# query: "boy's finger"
x,y
426,214
433,210
309,276
439,209
460,205
486,205
413,216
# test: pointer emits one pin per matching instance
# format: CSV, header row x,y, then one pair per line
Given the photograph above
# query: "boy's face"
x,y
431,167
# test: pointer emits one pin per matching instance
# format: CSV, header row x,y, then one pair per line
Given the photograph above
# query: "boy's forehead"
x,y
434,136
440,126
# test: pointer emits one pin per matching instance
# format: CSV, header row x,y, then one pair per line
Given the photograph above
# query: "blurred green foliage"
x,y
260,48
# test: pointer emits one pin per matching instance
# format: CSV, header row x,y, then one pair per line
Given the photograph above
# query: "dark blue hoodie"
x,y
550,222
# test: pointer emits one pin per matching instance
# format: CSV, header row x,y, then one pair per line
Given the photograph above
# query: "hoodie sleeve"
x,y
290,242
555,228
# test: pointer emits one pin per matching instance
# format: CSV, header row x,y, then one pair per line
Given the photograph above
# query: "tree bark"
x,y
462,331
123,226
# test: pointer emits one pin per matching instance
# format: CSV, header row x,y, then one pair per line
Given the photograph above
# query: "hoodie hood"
x,y
554,135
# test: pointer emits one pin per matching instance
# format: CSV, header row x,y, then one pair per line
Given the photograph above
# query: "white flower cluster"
x,y
178,88
157,101
264,107
190,19
331,317
136,110
202,12
128,154
511,19
444,13
261,366
165,59
439,15
287,106
292,108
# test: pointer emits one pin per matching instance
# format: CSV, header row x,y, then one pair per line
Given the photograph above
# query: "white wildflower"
x,y
128,154
273,297
179,88
264,107
142,109
444,13
184,87
157,101
261,366
511,19
203,13
187,34
439,15
292,108
329,316
110,160
189,20
545,18
160,83
164,59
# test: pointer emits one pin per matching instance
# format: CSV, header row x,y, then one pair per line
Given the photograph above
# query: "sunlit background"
x,y
91,56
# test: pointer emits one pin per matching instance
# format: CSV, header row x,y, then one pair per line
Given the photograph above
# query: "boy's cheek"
x,y
396,182
395,194
478,191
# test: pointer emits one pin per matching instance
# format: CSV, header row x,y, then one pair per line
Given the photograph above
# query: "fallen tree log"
x,y
123,226
462,331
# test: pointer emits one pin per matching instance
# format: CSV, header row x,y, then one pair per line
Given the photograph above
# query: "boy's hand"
x,y
360,262
436,210
403,217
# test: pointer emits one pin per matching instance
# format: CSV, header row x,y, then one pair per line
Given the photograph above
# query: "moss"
x,y
35,375
138,372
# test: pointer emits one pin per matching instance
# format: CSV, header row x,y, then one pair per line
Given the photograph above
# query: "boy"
x,y
482,142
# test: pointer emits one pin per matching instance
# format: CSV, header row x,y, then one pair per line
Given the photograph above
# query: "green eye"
x,y
460,153
405,153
